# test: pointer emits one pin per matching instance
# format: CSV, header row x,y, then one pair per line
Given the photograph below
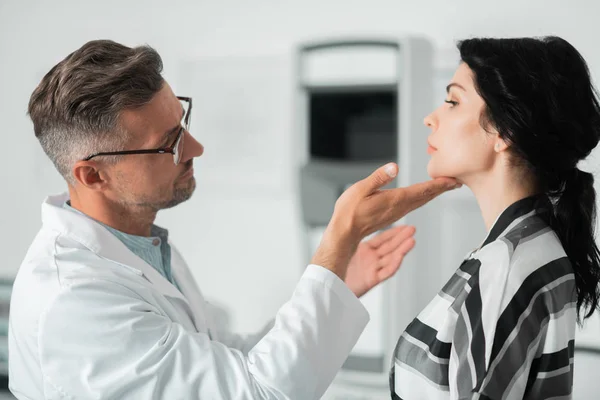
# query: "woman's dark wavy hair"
x,y
540,99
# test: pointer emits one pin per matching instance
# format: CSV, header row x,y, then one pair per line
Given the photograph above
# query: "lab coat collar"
x,y
99,240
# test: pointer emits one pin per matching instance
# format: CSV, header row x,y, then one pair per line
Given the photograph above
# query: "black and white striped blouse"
x,y
502,327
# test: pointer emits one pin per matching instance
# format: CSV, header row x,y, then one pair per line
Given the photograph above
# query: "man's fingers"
x,y
366,207
394,260
398,240
411,197
379,178
400,251
387,272
426,191
386,235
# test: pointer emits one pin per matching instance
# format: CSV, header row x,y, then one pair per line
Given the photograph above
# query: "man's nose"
x,y
191,147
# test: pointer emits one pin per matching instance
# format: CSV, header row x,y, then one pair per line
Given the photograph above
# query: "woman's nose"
x,y
428,120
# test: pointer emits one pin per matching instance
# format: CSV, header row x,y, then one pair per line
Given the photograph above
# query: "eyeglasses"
x,y
175,148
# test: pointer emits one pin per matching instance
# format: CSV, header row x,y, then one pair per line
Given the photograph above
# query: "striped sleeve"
x,y
514,332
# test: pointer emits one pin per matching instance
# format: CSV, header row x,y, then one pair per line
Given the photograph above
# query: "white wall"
x,y
236,238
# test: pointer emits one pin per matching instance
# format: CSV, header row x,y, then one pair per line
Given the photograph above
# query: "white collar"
x,y
99,240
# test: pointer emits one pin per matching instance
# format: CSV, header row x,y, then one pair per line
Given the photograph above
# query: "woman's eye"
x,y
451,102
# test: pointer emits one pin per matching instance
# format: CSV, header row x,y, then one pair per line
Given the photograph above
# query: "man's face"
x,y
153,180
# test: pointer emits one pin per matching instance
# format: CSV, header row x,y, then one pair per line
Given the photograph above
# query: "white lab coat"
x,y
91,320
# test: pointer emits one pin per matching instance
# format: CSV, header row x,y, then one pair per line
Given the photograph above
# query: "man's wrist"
x,y
336,249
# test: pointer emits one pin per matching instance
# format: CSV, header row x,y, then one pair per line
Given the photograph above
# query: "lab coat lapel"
x,y
98,239
160,282
190,290
167,289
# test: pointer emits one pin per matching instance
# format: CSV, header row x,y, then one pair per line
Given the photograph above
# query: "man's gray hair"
x,y
76,107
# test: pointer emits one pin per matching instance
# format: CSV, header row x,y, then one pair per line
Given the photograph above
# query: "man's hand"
x,y
365,208
379,258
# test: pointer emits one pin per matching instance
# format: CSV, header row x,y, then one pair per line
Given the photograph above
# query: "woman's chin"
x,y
433,172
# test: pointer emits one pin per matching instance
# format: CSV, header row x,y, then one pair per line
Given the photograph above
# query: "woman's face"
x,y
459,146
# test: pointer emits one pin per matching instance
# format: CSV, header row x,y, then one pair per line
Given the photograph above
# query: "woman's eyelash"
x,y
451,102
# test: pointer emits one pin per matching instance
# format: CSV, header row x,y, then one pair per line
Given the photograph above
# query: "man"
x,y
104,306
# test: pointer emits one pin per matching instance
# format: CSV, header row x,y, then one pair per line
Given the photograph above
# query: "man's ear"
x,y
89,174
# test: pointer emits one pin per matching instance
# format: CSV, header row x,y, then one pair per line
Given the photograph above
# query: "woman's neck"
x,y
497,189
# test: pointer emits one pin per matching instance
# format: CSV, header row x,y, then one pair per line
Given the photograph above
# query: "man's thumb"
x,y
381,177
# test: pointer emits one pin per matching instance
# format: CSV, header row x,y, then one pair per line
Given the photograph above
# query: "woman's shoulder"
x,y
528,251
530,239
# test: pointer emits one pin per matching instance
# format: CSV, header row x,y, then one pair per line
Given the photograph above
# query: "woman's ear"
x,y
500,145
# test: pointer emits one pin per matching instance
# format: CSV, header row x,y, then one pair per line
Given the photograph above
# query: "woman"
x,y
519,116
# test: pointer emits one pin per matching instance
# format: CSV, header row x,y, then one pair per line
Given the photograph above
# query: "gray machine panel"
x,y
323,181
